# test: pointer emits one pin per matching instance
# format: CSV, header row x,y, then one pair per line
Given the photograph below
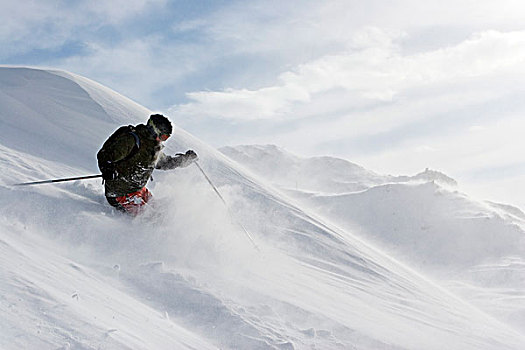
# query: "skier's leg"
x,y
131,203
116,204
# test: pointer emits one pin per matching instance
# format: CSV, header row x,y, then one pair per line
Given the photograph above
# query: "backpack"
x,y
129,129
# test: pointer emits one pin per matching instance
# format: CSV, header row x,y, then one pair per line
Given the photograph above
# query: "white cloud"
x,y
25,25
30,25
376,72
477,160
135,68
476,128
115,11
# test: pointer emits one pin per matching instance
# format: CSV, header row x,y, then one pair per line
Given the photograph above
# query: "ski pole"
x,y
227,208
57,180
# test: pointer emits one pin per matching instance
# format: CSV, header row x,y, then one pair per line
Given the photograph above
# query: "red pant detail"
x,y
133,202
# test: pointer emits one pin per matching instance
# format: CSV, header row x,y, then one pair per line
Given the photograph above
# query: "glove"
x,y
191,155
109,172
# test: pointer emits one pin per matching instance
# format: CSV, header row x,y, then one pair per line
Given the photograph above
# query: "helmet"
x,y
160,124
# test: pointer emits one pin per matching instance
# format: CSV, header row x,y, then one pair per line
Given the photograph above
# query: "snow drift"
x,y
75,274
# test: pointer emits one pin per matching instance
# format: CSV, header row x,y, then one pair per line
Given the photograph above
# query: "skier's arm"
x,y
166,162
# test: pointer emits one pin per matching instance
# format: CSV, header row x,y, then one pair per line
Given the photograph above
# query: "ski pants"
x,y
131,203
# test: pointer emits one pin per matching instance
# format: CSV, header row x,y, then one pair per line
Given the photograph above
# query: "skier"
x,y
128,158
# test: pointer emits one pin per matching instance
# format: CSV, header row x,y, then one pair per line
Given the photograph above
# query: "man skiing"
x,y
128,158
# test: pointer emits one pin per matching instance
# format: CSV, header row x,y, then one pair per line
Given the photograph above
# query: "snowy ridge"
x,y
424,221
327,175
77,275
294,172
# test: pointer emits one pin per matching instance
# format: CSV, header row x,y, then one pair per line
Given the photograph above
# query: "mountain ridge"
x,y
423,220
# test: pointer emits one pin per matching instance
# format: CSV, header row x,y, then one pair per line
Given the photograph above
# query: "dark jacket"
x,y
133,155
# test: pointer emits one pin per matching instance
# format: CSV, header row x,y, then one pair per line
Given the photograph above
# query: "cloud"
x,y
136,68
462,154
376,71
27,26
116,11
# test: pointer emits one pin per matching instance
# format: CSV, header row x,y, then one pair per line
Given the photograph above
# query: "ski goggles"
x,y
163,137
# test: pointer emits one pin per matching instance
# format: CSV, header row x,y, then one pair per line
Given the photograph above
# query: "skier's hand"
x,y
191,155
109,172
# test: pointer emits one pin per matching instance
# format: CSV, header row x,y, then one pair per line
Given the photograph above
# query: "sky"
x,y
395,86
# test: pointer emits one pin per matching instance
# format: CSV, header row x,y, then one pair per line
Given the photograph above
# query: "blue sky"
x,y
396,86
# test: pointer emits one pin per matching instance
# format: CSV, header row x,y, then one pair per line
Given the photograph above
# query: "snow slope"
x,y
475,247
77,275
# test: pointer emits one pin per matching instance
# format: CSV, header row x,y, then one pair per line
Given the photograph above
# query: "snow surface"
x,y
475,248
77,275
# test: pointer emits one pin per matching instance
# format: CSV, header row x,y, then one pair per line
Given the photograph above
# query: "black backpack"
x,y
129,129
